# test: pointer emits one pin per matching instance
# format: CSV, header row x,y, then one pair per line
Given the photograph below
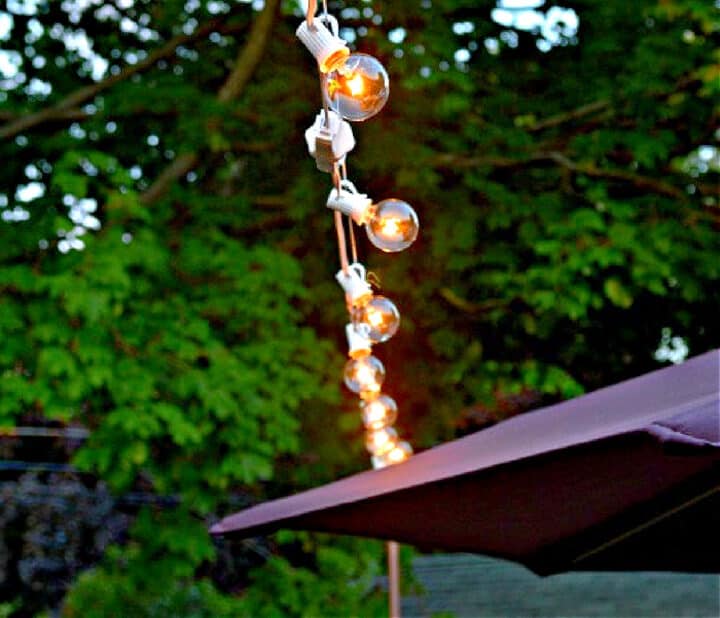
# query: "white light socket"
x,y
358,343
354,205
327,47
354,284
329,142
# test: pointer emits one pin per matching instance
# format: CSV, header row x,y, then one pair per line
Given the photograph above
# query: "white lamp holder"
x,y
324,44
354,284
328,141
358,343
348,201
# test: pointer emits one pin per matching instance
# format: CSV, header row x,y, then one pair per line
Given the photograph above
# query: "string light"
x,y
379,412
381,441
399,453
378,318
329,49
364,375
355,87
391,225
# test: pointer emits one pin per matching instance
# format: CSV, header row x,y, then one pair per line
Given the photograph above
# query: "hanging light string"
x,y
342,248
339,227
351,225
311,8
354,87
353,243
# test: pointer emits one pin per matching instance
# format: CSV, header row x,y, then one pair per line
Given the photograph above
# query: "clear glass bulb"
x,y
357,88
381,441
393,225
364,375
379,412
399,453
378,318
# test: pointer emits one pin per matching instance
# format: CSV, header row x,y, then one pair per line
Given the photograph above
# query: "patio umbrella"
x,y
624,478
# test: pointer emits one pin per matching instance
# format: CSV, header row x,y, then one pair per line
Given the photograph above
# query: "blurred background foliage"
x,y
172,335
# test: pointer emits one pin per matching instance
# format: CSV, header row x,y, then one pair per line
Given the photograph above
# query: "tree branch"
x,y
247,61
706,188
271,201
250,55
69,115
603,104
180,166
574,114
79,115
470,307
87,93
642,182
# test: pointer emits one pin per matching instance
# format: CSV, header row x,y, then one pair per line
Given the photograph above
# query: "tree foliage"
x,y
167,262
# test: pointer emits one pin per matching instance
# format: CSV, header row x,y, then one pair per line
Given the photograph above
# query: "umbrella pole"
x,y
393,579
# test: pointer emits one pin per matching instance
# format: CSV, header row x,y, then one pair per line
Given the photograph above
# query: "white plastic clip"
x,y
359,343
327,47
357,289
328,143
350,202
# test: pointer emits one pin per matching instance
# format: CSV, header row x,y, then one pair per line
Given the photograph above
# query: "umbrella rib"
x,y
647,524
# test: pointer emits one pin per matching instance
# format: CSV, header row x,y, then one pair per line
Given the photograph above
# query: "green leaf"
x,y
618,293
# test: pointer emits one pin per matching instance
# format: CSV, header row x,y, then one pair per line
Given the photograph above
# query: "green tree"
x,y
167,260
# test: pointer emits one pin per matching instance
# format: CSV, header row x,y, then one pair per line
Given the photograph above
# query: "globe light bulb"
x,y
393,225
379,412
378,318
364,375
381,441
397,454
357,87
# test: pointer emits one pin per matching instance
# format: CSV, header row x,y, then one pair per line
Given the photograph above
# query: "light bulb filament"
x,y
366,378
381,441
374,318
355,84
376,412
397,455
391,229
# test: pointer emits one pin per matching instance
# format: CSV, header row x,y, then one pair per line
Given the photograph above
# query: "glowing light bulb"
x,y
379,412
378,318
381,441
399,453
364,375
393,225
357,87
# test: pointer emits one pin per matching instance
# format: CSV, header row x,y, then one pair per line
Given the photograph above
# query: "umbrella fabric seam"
x,y
669,434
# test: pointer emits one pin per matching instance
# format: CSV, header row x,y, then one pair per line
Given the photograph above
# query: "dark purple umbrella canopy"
x,y
625,478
